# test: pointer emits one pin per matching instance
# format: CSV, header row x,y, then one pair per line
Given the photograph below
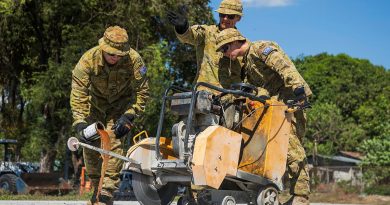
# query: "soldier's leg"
x,y
111,178
297,168
92,159
93,167
297,165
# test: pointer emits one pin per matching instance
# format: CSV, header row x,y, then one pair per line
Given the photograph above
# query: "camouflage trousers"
x,y
93,163
296,159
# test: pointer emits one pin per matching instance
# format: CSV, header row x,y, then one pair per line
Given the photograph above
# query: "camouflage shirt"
x,y
269,68
122,87
212,68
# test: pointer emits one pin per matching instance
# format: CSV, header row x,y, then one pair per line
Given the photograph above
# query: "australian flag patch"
x,y
268,50
143,70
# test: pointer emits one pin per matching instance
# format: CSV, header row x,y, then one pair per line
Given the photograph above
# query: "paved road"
x,y
84,203
61,203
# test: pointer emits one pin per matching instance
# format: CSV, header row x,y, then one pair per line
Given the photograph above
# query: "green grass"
x,y
72,196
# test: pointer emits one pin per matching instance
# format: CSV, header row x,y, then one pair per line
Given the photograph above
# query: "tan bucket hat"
x,y
115,41
227,36
230,7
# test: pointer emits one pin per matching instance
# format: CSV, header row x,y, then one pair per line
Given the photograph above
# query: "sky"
x,y
359,28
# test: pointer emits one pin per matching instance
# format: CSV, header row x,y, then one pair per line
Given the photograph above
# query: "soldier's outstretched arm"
x,y
195,35
179,19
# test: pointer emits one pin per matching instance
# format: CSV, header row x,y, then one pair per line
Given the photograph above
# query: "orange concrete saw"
x,y
229,146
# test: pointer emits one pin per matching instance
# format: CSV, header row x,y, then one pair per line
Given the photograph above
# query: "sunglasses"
x,y
225,48
112,55
229,16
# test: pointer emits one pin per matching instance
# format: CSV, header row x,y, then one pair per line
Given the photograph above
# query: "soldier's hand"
x,y
123,125
179,20
79,128
300,94
301,98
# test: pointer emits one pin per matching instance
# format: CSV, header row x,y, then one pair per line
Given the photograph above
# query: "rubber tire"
x,y
264,196
147,194
8,182
228,199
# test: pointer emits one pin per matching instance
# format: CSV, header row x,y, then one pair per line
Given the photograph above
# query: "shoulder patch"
x,y
143,70
267,50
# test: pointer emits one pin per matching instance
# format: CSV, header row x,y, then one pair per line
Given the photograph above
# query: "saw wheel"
x,y
268,196
147,193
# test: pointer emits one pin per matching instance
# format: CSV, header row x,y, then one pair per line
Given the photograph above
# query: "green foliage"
x,y
376,163
348,187
345,81
377,152
72,196
41,41
48,118
374,115
383,189
323,126
350,112
159,80
358,92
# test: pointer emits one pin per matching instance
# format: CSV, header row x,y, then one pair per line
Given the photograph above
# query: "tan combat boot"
x,y
93,199
105,198
298,200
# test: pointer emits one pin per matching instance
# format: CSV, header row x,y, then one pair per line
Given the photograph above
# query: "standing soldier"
x,y
269,68
212,67
108,85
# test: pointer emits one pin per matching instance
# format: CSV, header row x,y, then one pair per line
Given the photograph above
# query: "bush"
x,y
383,189
348,188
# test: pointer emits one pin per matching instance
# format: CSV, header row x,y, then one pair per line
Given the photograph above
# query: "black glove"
x,y
79,128
123,125
179,20
301,98
300,94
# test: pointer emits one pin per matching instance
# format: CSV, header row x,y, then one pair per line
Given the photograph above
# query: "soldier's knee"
x,y
297,166
293,167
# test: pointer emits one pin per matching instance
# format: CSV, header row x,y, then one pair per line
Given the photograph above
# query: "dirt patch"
x,y
342,198
331,193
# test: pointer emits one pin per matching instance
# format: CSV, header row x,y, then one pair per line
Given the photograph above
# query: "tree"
x,y
355,88
42,40
324,122
350,111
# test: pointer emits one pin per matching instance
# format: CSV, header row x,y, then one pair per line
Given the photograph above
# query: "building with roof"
x,y
341,167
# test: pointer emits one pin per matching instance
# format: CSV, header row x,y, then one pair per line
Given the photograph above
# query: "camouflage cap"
x,y
227,36
115,41
230,7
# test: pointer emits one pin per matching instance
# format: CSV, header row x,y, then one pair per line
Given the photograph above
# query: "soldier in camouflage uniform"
x,y
212,67
269,68
109,85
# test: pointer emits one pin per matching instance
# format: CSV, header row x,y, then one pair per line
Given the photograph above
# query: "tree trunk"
x,y
315,163
48,155
77,161
47,160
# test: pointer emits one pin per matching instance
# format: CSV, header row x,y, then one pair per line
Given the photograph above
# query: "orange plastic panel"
x,y
266,134
215,156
